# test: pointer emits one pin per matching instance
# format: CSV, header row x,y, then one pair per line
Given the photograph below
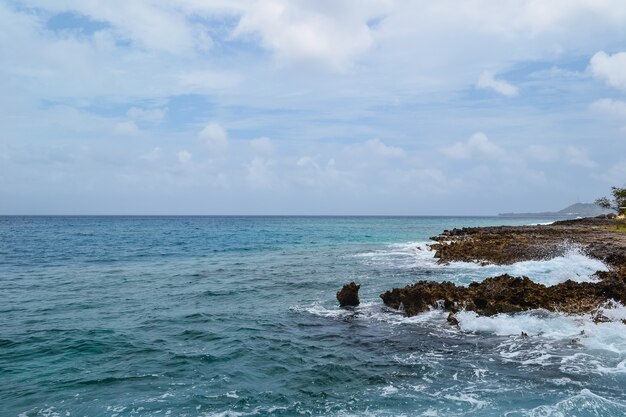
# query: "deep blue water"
x,y
236,316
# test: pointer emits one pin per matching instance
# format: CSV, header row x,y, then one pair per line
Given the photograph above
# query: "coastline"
x,y
599,238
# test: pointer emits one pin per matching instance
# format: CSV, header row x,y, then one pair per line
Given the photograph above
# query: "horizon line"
x,y
503,215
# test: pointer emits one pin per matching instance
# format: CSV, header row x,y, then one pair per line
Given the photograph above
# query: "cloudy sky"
x,y
310,107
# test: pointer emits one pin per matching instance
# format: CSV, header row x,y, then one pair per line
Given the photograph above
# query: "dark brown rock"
x,y
452,319
599,238
503,245
506,294
348,296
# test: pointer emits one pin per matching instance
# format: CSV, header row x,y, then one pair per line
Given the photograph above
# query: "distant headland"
x,y
575,210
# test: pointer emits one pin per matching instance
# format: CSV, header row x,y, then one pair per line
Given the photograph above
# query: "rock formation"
x,y
348,296
503,245
506,294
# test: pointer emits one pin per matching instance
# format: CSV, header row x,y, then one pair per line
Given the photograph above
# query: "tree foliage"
x,y
618,203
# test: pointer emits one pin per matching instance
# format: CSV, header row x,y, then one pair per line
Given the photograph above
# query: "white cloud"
x,y
260,173
378,148
215,137
542,153
331,35
616,108
153,155
146,115
127,128
411,44
206,81
478,145
320,175
610,68
184,157
262,146
556,73
488,81
307,161
422,56
577,156
148,25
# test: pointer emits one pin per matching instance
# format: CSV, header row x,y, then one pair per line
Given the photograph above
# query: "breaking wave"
x,y
417,257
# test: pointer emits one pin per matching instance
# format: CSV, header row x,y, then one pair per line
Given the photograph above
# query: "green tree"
x,y
618,204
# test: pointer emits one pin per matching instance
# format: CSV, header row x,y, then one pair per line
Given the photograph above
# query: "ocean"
x,y
237,316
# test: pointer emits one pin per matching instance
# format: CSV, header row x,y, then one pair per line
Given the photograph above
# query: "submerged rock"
x,y
348,296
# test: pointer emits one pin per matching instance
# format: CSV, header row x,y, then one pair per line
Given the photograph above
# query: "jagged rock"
x,y
503,245
348,296
600,318
506,294
452,319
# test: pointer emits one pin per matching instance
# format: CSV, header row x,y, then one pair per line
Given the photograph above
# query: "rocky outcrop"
x,y
503,245
506,294
348,296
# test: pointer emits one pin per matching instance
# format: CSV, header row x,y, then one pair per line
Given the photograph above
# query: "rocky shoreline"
x,y
599,238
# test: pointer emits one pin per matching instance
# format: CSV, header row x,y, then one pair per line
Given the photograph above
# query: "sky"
x,y
364,107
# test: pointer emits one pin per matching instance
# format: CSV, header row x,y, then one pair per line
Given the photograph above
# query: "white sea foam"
x,y
574,265
609,336
227,413
319,310
586,403
254,412
402,255
574,343
476,403
44,412
598,348
373,311
545,324
389,390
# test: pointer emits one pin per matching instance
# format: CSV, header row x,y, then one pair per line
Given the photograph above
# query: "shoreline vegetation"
x,y
601,237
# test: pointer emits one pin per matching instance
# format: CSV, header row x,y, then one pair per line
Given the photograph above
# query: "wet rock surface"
x,y
348,296
505,245
506,294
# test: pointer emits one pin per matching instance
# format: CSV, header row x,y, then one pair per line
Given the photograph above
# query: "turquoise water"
x,y
236,316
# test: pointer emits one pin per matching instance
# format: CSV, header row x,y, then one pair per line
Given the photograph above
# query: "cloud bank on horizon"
x,y
310,107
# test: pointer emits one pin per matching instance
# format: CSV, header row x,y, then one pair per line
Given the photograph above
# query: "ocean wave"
x,y
552,325
584,404
258,411
573,265
373,311
573,343
608,336
402,255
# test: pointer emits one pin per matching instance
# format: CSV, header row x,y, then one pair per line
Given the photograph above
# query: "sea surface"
x,y
237,316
